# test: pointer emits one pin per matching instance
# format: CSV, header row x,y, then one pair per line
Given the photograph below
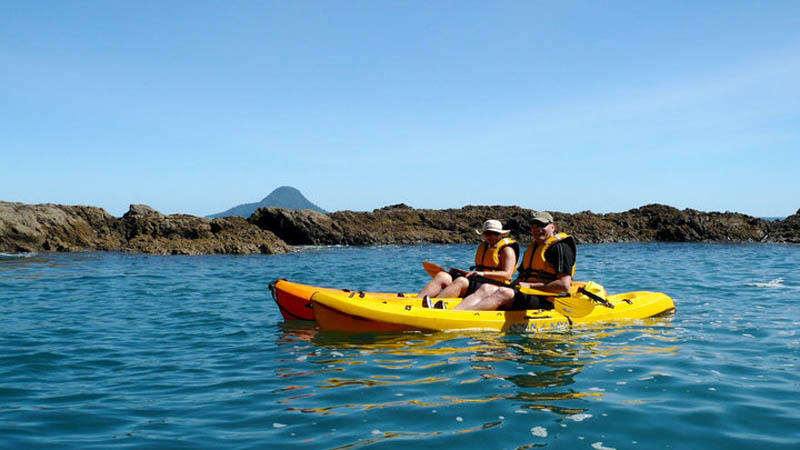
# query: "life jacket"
x,y
535,268
487,258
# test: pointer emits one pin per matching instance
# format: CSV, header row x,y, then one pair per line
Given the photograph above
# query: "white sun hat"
x,y
493,225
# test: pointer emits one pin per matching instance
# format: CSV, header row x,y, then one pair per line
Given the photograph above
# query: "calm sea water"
x,y
107,350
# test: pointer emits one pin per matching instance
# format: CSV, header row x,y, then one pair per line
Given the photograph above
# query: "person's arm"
x,y
560,284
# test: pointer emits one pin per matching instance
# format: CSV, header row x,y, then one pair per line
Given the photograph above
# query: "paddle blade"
x,y
579,306
431,268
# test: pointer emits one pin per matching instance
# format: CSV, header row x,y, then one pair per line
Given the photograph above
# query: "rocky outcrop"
x,y
664,223
397,224
36,228
56,228
146,230
787,230
298,227
401,224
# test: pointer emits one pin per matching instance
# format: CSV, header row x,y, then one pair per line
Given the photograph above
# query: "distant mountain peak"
x,y
284,191
282,197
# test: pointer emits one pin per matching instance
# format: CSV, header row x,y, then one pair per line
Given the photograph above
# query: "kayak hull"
x,y
341,321
294,299
338,312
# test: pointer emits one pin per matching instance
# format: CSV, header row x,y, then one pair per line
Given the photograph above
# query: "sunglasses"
x,y
491,233
539,224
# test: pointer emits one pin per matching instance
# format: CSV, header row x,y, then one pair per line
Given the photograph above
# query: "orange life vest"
x,y
487,258
535,268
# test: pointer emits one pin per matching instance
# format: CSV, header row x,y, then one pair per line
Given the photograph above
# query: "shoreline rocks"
x,y
56,228
401,224
60,228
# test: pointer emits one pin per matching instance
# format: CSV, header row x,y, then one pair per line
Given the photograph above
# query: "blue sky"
x,y
197,106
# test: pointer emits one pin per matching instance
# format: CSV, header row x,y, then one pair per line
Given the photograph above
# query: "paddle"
x,y
432,268
578,306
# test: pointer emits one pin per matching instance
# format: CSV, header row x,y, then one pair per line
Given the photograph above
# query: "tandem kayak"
x,y
344,309
294,299
337,311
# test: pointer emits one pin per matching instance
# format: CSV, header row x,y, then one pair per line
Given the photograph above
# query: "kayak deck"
x,y
334,311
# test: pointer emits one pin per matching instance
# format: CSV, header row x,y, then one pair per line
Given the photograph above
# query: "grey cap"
x,y
542,217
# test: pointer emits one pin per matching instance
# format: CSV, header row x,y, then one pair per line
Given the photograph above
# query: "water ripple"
x,y
115,350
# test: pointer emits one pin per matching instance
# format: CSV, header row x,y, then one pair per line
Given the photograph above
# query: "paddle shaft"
x,y
596,297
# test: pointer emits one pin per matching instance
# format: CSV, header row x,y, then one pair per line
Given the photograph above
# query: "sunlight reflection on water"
x,y
448,377
116,350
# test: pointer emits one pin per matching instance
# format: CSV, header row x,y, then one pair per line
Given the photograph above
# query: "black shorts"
x,y
474,285
529,301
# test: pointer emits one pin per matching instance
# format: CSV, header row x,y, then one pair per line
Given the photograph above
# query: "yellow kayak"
x,y
339,311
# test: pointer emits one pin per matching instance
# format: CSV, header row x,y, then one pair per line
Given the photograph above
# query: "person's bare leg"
x,y
476,297
439,282
456,289
490,299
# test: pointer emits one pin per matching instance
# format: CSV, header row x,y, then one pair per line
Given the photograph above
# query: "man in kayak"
x,y
548,264
495,260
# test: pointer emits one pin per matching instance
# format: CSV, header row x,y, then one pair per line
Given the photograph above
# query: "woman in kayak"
x,y
496,259
548,264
